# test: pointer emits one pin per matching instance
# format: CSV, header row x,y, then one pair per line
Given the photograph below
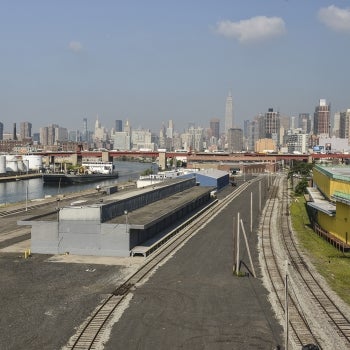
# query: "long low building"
x,y
330,203
119,223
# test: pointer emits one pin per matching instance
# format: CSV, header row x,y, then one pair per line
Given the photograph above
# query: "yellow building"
x,y
265,146
331,203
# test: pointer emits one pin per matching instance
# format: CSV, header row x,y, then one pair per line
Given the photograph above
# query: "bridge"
x,y
192,157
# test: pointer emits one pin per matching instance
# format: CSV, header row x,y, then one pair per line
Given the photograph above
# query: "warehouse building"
x,y
330,204
120,222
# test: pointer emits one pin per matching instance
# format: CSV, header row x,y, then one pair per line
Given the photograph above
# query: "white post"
x,y
251,211
27,196
237,246
246,243
259,196
286,312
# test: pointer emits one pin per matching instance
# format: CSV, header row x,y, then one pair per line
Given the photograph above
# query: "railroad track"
x,y
299,331
314,318
91,332
321,300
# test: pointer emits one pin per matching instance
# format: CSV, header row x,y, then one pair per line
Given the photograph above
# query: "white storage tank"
x,y
2,164
12,165
34,162
20,165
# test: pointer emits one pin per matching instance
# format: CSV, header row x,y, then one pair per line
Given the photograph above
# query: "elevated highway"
x,y
192,157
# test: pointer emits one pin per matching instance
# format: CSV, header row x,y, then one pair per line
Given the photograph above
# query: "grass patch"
x,y
332,264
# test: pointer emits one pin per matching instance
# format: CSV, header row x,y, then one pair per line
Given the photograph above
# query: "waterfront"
x,y
19,191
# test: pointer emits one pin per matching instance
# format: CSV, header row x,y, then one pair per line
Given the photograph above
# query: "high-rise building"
x,y
118,125
344,125
322,119
1,131
25,130
85,133
235,140
14,136
229,123
215,127
269,126
304,123
170,130
336,125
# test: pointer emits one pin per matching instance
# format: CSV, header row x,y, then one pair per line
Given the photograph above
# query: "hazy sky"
x,y
149,61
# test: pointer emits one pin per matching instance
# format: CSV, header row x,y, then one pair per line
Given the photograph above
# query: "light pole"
x,y
126,221
27,195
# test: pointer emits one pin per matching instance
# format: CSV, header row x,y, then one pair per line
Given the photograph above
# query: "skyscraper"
x,y
85,130
215,127
269,126
305,122
322,118
1,131
118,125
229,124
235,140
14,137
25,130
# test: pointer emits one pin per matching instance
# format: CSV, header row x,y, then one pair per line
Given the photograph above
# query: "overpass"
x,y
75,157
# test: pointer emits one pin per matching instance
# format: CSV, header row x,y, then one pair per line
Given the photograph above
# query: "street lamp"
x,y
27,196
126,221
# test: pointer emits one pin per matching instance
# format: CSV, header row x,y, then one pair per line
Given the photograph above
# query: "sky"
x,y
156,60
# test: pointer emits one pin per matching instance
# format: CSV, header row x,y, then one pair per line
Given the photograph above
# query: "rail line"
x,y
315,290
305,326
93,329
300,332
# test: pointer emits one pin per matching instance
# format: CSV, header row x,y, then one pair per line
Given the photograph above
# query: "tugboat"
x,y
88,172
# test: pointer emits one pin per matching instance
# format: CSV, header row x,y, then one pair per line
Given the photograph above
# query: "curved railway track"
x,y
315,290
303,328
91,332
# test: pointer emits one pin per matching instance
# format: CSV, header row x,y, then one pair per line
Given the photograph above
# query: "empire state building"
x,y
229,124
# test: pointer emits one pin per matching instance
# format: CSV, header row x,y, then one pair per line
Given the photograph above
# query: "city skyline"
x,y
157,61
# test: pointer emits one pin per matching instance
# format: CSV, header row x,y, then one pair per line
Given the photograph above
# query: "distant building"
x,y
235,140
269,126
336,125
297,143
122,141
118,125
322,121
344,125
305,123
25,130
14,135
85,134
229,123
142,139
252,134
215,127
1,131
265,146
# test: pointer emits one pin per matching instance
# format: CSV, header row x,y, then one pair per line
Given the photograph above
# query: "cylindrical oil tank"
x,y
25,165
12,165
20,165
34,162
2,164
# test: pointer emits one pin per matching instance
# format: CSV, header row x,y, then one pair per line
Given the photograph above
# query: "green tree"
x,y
300,188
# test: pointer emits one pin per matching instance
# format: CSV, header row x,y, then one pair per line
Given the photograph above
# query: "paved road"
x,y
194,301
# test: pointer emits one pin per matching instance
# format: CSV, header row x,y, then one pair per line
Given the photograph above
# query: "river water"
x,y
19,191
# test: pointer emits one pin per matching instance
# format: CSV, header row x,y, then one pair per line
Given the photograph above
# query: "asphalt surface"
x,y
193,301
